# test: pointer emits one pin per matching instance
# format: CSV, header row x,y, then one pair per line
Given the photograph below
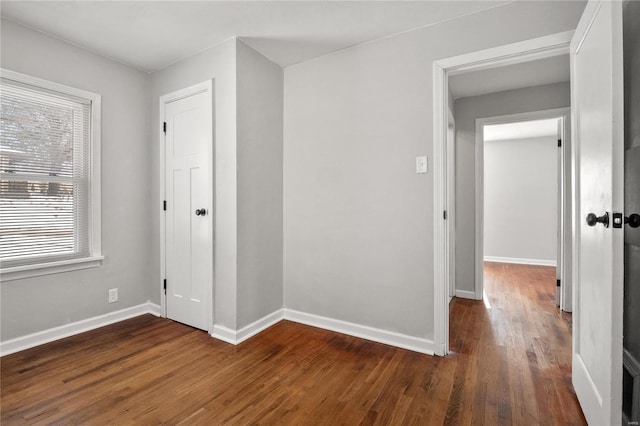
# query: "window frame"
x,y
95,257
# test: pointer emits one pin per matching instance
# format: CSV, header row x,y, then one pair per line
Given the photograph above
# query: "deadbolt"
x,y
201,212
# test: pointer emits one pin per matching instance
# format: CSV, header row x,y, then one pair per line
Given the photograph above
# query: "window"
x,y
49,170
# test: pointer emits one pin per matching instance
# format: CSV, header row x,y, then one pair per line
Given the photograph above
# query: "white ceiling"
x,y
150,35
536,73
521,130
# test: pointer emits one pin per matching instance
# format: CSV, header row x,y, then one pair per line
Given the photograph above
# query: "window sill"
x,y
27,271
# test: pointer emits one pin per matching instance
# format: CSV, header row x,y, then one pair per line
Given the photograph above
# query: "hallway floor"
x,y
517,345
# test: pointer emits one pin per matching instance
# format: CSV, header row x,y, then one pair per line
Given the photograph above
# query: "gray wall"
x,y
248,173
358,234
466,111
248,176
632,176
217,63
521,198
259,123
358,243
35,304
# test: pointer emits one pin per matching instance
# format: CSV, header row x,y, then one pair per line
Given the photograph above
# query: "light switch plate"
x,y
422,164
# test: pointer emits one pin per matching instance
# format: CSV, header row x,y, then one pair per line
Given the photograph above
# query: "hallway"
x,y
518,347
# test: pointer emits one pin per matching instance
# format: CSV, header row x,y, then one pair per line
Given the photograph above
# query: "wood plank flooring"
x,y
510,364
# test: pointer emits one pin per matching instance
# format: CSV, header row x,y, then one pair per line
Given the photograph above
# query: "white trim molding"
x,y
236,337
28,271
465,294
71,329
391,338
520,261
416,344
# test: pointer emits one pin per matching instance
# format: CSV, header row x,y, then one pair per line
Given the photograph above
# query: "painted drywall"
x,y
219,64
631,41
248,177
358,234
466,111
259,153
36,304
521,199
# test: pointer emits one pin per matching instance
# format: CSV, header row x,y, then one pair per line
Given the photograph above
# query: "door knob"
x,y
633,220
592,219
201,212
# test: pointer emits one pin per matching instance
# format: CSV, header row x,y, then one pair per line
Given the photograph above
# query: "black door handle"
x,y
633,220
201,212
592,219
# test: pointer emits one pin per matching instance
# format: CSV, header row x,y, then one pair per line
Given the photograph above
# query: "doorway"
x,y
597,202
527,51
521,206
187,192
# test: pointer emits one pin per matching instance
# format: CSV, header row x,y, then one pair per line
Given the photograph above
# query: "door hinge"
x,y
557,283
559,143
444,215
164,286
164,205
164,127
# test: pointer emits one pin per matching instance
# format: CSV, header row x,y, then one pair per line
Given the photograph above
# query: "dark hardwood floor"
x,y
510,364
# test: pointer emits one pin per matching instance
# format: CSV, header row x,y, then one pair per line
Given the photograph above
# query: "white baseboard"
x,y
56,333
404,341
520,261
464,294
235,337
154,309
225,334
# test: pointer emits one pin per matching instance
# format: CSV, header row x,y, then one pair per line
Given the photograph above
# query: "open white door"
x,y
597,103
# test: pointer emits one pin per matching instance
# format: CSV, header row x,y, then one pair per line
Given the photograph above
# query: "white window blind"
x,y
45,188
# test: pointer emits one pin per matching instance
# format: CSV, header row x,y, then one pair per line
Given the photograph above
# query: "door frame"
x,y
196,89
565,152
451,199
525,51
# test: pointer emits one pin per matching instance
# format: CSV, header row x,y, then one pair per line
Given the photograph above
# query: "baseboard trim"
x,y
520,261
464,294
235,337
416,344
41,337
225,334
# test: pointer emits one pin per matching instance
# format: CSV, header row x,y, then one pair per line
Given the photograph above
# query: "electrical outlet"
x,y
113,295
